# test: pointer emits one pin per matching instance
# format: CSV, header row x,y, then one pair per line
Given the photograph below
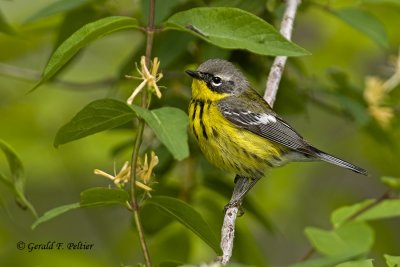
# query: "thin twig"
x,y
150,32
138,141
308,255
134,201
278,66
228,227
228,233
377,201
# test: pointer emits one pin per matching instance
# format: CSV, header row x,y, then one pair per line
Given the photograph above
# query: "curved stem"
x,y
135,154
134,201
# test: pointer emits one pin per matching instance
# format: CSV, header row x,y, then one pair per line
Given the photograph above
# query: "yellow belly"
x,y
229,147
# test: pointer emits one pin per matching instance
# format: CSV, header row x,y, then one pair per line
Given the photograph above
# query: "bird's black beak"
x,y
195,74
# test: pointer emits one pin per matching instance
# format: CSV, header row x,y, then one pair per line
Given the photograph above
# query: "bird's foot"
x,y
234,204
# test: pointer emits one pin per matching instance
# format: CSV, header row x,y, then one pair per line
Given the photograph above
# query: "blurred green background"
x,y
311,97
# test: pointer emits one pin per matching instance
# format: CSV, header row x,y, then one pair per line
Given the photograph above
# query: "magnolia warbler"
x,y
238,131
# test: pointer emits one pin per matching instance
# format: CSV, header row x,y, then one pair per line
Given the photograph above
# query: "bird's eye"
x,y
216,81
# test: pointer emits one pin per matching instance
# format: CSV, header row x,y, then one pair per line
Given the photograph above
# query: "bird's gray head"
x,y
221,76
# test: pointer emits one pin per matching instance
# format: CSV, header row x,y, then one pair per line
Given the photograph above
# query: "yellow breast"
x,y
224,144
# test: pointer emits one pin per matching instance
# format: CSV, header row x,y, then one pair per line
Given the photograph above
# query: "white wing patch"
x,y
250,118
266,118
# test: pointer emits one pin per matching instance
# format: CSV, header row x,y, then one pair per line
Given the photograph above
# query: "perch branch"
x,y
228,233
278,66
231,213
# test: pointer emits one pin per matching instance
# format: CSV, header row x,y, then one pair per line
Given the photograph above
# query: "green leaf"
x,y
234,28
102,196
187,216
365,23
385,209
99,115
61,6
341,215
48,215
17,180
81,38
359,263
14,162
170,126
391,182
93,197
354,238
392,261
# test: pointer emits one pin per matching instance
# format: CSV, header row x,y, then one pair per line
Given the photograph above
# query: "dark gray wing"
x,y
265,124
256,116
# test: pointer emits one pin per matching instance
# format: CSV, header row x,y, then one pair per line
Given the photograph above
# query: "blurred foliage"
x,y
346,94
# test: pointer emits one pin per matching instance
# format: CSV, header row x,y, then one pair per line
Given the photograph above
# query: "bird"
x,y
237,130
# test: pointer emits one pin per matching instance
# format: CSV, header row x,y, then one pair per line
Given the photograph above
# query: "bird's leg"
x,y
242,186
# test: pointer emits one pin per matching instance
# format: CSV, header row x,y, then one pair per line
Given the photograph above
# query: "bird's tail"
x,y
339,162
